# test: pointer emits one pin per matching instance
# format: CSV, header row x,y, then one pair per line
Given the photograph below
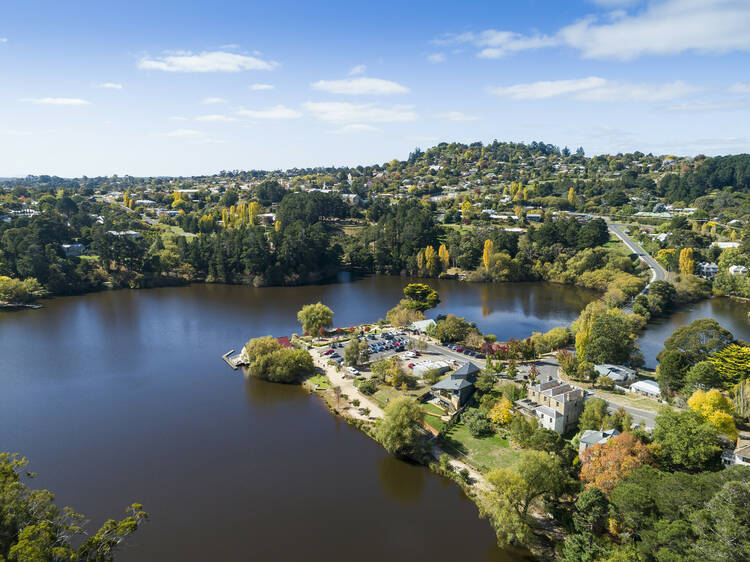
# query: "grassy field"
x,y
321,380
486,453
431,408
433,421
385,394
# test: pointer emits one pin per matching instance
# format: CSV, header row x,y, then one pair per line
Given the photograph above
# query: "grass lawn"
x,y
433,421
385,394
321,380
486,453
431,408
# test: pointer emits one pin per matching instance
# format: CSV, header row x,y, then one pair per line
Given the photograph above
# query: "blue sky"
x,y
172,88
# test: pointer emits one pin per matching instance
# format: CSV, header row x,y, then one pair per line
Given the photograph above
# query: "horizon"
x,y
153,91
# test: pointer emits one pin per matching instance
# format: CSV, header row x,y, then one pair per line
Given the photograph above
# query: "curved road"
x,y
658,273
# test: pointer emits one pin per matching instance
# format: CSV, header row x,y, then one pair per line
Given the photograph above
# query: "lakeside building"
x,y
646,388
457,388
557,405
737,270
739,455
708,270
592,437
421,325
617,373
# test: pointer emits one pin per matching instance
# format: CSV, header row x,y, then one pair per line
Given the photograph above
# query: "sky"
x,y
191,88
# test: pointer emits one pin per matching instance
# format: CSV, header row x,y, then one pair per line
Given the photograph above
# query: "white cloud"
x,y
261,87
436,58
663,27
355,128
357,70
212,101
207,61
456,116
3,39
184,134
110,86
57,101
595,88
275,112
343,112
360,86
215,118
740,88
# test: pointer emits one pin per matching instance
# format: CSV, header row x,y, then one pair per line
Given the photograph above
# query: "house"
x,y
726,245
421,325
557,405
708,270
617,373
739,455
737,270
592,437
125,233
73,250
646,388
457,388
421,368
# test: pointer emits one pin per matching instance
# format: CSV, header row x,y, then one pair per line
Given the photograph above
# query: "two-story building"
x,y
555,404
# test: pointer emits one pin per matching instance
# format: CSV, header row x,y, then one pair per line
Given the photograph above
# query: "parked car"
x,y
352,370
459,349
480,356
411,365
328,351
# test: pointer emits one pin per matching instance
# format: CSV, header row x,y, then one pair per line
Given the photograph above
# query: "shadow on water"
x,y
401,480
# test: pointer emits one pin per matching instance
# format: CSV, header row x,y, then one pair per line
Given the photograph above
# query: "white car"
x,y
352,370
410,354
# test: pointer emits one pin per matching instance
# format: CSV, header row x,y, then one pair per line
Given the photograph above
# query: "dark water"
x,y
122,396
731,314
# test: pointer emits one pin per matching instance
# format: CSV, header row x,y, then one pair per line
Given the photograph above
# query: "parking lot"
x,y
399,343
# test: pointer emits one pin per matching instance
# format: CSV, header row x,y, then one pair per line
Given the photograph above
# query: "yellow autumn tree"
x,y
583,326
572,197
489,252
431,260
277,226
176,198
687,263
420,260
253,209
716,409
667,257
502,412
466,208
445,257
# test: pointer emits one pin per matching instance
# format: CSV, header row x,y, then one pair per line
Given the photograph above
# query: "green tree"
x,y
398,431
594,414
451,329
686,441
283,365
315,317
670,372
420,297
34,529
351,352
522,429
699,339
702,376
732,364
722,527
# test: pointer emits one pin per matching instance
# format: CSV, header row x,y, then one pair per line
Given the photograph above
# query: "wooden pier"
x,y
234,361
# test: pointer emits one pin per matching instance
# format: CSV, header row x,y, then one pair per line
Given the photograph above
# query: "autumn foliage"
x,y
605,465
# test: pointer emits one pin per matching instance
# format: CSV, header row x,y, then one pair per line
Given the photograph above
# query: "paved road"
x,y
658,273
642,417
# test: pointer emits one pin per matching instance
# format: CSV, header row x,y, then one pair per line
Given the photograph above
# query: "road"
x,y
658,273
641,417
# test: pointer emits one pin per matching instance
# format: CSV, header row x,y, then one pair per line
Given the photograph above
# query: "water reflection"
x,y
400,480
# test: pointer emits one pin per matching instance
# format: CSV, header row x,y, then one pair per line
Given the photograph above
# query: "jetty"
x,y
234,361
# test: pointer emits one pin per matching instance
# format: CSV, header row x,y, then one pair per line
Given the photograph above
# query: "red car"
x,y
417,353
411,365
460,349
328,351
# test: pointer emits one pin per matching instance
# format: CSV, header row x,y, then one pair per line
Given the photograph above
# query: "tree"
x,y
476,422
315,318
502,412
611,340
671,370
594,414
715,409
667,257
686,441
512,369
522,429
420,297
699,339
261,346
451,329
702,376
397,431
488,254
722,527
732,364
536,474
445,257
351,353
34,529
591,510
364,352
485,382
283,365
400,315
572,197
687,262
604,465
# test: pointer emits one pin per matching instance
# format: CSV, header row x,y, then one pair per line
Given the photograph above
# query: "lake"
x,y
122,396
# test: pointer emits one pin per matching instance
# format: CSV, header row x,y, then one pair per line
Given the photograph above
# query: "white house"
x,y
726,245
708,270
421,325
739,455
737,270
646,388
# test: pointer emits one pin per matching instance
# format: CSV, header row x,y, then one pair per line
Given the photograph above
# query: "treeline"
x,y
721,172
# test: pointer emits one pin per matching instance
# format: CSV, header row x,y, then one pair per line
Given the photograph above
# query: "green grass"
x,y
385,394
433,421
321,380
486,453
431,408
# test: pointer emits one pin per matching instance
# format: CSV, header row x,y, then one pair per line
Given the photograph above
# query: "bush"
x,y
368,387
464,473
476,422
